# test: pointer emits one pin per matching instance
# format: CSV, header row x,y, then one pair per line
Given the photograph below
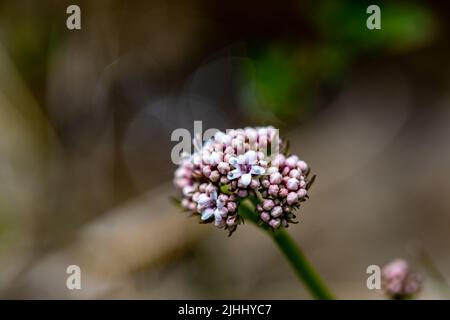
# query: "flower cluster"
x,y
239,164
399,281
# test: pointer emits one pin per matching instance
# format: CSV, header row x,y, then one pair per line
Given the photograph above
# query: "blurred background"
x,y
86,118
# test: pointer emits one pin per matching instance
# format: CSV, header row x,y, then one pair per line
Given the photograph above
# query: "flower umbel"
x,y
236,165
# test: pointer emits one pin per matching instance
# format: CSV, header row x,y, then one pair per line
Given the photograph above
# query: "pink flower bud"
x,y
262,131
265,216
275,223
302,165
301,193
292,198
214,176
206,157
218,147
189,190
268,204
231,206
276,178
265,183
294,173
185,203
192,206
231,221
188,165
278,161
223,167
283,192
237,143
262,142
210,188
206,171
219,224
181,172
276,212
291,162
274,189
181,183
228,151
223,212
285,171
228,156
195,196
251,134
292,184
223,197
202,187
254,184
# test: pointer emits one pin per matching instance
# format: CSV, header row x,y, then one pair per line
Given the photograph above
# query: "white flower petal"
x,y
207,213
219,204
234,174
257,170
217,216
245,180
233,161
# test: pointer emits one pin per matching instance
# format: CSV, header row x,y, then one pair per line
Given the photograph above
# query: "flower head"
x,y
235,165
399,281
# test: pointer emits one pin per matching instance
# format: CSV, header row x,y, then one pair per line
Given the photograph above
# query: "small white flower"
x,y
211,206
245,166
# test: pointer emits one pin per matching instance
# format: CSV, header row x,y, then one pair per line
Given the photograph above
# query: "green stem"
x,y
292,252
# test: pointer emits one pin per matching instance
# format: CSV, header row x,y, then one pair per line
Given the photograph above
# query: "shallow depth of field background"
x,y
86,118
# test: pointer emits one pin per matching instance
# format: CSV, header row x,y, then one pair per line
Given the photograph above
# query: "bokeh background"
x,y
86,118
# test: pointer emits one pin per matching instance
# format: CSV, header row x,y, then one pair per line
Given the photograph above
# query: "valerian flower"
x,y
236,165
212,205
399,281
245,166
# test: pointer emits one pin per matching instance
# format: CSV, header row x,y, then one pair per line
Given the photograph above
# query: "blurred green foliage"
x,y
404,26
284,81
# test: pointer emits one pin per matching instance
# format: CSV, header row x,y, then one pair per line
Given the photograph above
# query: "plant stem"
x,y
302,267
292,252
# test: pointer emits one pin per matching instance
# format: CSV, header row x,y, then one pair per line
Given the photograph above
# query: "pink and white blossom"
x,y
235,165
